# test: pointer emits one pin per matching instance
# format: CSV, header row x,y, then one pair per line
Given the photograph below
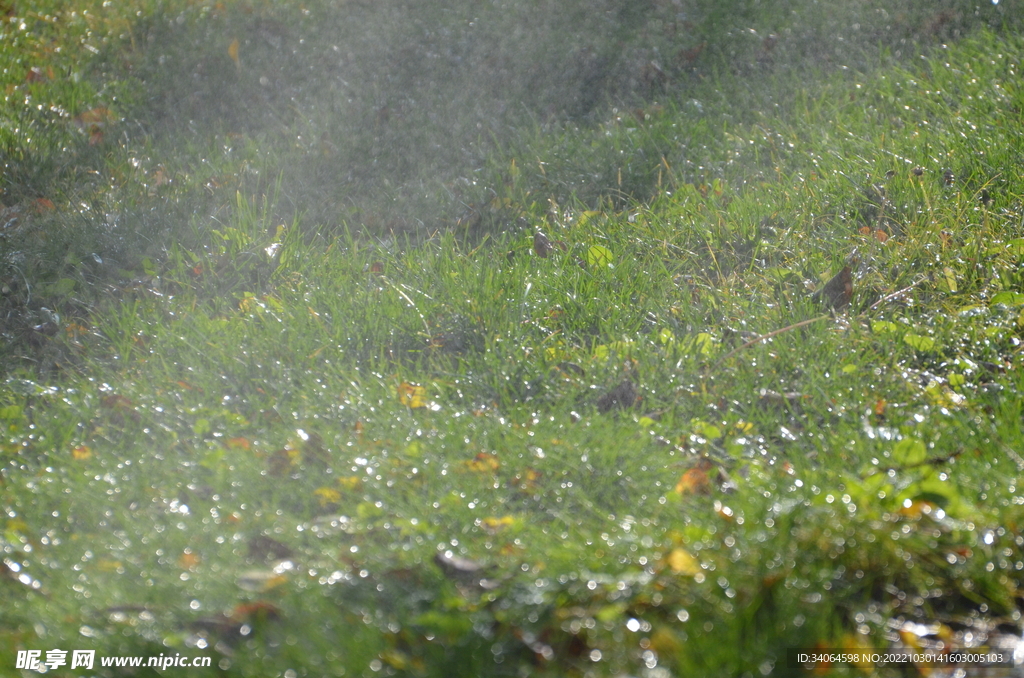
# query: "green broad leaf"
x,y
909,451
938,492
148,267
1016,246
60,288
665,336
212,459
949,277
585,217
704,343
610,613
919,341
1008,299
201,427
883,326
453,624
10,413
598,255
646,423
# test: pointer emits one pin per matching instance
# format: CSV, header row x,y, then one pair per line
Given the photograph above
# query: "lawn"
x,y
337,340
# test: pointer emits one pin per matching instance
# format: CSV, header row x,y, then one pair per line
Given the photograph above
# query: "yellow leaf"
x,y
327,495
493,525
81,452
412,395
484,462
233,52
350,482
682,562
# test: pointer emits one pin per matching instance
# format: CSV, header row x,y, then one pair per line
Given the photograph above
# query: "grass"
x,y
263,424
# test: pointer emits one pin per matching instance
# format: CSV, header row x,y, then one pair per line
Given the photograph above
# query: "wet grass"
x,y
272,438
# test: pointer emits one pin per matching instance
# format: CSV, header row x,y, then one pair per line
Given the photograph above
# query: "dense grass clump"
x,y
721,362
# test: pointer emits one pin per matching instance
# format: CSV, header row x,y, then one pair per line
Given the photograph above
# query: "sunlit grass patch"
x,y
771,403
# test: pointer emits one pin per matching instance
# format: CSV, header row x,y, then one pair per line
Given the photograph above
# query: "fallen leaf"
x,y
493,525
463,570
44,205
94,118
81,452
35,74
412,395
541,245
622,397
687,57
256,610
327,495
483,463
695,480
598,255
527,481
260,581
233,53
681,562
837,292
281,462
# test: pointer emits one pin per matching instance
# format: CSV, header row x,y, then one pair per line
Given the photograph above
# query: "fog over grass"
x,y
390,115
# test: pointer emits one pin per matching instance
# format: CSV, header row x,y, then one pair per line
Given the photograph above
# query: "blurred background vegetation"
x,y
129,126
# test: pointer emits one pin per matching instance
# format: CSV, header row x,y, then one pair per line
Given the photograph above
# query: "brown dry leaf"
x,y
35,74
880,235
238,443
622,397
281,462
43,205
541,245
258,610
527,481
695,480
686,57
160,177
233,53
188,560
837,292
